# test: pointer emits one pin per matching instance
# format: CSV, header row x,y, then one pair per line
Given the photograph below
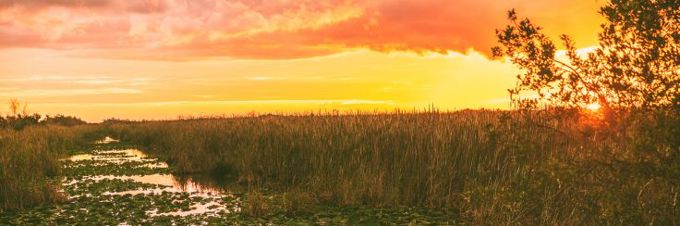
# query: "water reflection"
x,y
194,185
172,182
178,183
81,157
106,140
112,155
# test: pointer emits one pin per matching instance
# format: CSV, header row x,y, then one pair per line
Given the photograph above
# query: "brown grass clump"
x,y
299,202
255,204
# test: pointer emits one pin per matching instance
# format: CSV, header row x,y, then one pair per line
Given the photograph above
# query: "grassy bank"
x,y
492,167
29,162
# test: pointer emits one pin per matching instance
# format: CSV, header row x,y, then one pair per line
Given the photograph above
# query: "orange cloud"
x,y
185,30
36,4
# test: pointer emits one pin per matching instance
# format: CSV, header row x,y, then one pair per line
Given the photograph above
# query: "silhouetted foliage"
x,y
635,66
19,120
63,120
634,74
115,121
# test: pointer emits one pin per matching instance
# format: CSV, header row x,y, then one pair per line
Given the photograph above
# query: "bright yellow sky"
x,y
157,61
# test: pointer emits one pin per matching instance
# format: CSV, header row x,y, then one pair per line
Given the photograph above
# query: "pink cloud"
x,y
190,29
34,4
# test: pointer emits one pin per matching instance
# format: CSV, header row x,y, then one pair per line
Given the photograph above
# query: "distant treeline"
x,y
21,121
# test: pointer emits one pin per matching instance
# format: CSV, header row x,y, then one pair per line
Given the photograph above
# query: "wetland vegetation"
x,y
598,144
407,167
465,167
29,162
484,166
550,166
110,183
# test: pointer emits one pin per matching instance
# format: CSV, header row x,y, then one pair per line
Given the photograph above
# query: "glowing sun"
x,y
593,107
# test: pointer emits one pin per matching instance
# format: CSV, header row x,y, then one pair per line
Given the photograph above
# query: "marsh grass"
x,y
491,167
299,202
29,162
256,204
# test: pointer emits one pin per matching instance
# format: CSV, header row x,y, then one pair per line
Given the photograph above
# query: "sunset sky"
x,y
158,59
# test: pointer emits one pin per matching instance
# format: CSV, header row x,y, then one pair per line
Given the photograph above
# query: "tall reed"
x,y
29,162
492,166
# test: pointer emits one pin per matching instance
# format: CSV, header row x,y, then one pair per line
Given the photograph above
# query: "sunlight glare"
x,y
593,107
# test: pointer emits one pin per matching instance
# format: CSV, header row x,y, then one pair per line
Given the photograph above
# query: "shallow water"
x,y
167,183
106,140
112,186
173,183
119,156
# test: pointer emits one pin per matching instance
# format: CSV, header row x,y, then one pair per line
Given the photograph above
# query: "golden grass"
x,y
493,167
29,163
